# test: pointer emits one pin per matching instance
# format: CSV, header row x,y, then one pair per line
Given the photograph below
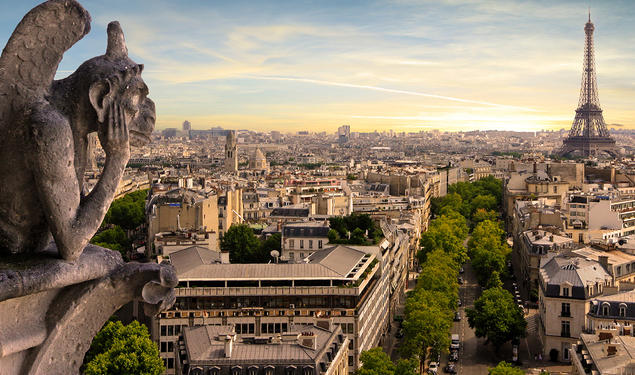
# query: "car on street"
x,y
458,302
454,356
457,316
455,344
433,367
460,280
450,368
461,270
399,333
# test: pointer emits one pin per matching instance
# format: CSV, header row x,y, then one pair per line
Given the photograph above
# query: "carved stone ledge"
x,y
51,309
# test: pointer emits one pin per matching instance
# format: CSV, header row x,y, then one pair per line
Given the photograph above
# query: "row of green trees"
x,y
245,247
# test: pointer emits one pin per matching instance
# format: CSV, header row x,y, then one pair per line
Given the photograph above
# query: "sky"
x,y
405,65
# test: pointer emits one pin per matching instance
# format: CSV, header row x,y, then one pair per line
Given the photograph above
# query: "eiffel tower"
x,y
589,135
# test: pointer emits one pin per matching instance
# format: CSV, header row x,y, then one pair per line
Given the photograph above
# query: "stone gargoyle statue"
x,y
56,290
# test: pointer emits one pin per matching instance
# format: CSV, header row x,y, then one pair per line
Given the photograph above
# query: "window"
x,y
605,309
301,244
565,350
622,310
163,330
291,255
236,370
269,370
320,244
214,371
253,370
565,330
290,370
566,309
555,189
565,292
291,244
310,244
301,255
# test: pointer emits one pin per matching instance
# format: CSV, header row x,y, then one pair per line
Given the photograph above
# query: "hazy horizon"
x,y
403,65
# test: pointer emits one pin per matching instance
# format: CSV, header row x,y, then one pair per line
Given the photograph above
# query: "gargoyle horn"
x,y
116,42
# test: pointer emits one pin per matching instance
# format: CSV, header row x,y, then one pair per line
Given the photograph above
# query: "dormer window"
x,y
565,292
622,310
606,309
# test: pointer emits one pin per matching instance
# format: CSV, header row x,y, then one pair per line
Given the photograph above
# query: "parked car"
x,y
450,368
461,270
399,333
433,367
457,316
460,280
458,302
454,356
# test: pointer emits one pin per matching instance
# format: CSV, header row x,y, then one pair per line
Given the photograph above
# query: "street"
x,y
475,357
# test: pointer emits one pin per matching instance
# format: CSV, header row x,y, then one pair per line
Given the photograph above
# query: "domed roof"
x,y
258,155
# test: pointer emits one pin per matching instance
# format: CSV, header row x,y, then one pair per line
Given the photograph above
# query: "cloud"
x,y
392,91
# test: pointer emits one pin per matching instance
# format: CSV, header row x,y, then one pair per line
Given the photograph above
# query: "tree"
x,y
375,362
243,245
273,242
482,214
486,202
113,238
406,367
128,212
119,349
497,317
504,368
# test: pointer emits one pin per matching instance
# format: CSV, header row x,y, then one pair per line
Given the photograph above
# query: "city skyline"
x,y
405,66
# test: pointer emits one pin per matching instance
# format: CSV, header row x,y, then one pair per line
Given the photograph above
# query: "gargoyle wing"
x,y
35,49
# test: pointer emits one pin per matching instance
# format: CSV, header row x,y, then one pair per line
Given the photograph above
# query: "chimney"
x,y
224,257
604,261
229,345
307,340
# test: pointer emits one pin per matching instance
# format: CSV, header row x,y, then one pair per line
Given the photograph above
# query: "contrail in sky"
x,y
394,91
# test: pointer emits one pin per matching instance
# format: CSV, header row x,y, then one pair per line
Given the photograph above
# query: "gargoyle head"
x,y
115,78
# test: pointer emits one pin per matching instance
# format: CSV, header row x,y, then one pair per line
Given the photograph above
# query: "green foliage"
x,y
497,317
482,214
119,350
355,225
113,238
504,368
428,323
351,177
274,242
243,245
406,367
375,362
446,233
128,212
488,250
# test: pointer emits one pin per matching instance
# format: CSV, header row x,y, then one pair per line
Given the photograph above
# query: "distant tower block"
x,y
231,152
187,126
589,135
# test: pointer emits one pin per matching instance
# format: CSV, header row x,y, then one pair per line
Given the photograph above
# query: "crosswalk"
x,y
532,324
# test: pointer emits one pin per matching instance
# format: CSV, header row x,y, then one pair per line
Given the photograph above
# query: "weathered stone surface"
x,y
46,123
51,308
22,275
50,330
